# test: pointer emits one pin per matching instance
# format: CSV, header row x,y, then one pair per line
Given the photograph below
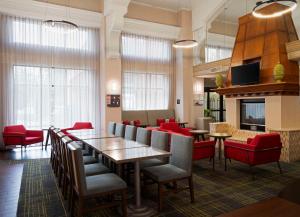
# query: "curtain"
x,y
48,75
214,53
147,73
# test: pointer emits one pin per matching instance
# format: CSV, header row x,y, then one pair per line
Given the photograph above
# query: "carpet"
x,y
216,192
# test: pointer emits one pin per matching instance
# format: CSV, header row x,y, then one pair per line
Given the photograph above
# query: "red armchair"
x,y
18,135
263,149
204,149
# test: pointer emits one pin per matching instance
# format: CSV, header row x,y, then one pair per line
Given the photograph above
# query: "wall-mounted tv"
x,y
245,74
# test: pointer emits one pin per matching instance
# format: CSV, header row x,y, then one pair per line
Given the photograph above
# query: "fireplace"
x,y
252,114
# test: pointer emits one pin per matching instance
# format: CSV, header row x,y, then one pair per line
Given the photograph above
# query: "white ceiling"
x,y
173,5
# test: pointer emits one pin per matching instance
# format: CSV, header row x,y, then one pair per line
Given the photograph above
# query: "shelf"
x,y
271,89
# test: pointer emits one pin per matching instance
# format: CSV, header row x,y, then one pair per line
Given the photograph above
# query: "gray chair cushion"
x,y
143,136
95,169
159,140
120,130
89,160
104,183
182,152
151,163
165,172
130,132
111,128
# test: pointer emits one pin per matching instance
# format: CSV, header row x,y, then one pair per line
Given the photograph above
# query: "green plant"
x,y
207,112
219,80
278,72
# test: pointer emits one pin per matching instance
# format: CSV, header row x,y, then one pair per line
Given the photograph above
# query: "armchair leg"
x,y
213,161
191,186
279,167
252,173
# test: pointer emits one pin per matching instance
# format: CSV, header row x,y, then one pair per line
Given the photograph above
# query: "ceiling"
x,y
173,5
237,8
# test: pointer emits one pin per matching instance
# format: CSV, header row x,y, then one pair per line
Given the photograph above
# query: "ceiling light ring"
x,y
275,14
181,43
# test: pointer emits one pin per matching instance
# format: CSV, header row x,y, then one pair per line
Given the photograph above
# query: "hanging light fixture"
x,y
186,42
68,25
290,4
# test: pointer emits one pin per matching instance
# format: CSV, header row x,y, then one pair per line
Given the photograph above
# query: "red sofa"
x,y
173,127
79,126
263,149
18,135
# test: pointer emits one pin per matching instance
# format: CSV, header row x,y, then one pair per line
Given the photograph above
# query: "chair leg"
x,y
279,167
225,164
124,203
80,208
191,186
160,194
213,161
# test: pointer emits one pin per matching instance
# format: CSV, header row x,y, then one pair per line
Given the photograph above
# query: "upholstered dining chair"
x,y
178,168
130,132
120,130
143,135
159,140
93,186
111,128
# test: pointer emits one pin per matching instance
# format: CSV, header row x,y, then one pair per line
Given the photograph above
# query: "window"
x,y
214,53
51,95
147,68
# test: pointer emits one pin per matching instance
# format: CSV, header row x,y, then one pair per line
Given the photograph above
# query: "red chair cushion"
x,y
137,123
32,140
126,122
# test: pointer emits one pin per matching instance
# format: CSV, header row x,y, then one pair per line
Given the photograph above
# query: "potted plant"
x,y
219,80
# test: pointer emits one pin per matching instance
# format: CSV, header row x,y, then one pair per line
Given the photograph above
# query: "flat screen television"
x,y
245,74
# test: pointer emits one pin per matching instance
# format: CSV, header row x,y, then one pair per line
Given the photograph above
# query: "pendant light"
x,y
290,6
68,25
185,42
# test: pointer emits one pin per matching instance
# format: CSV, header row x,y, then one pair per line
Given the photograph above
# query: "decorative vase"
x,y
219,80
278,72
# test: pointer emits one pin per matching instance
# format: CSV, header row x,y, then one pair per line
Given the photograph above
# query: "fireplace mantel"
x,y
271,89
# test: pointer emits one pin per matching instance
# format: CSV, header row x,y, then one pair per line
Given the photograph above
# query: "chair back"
x,y
182,152
159,140
82,125
111,128
130,132
143,136
77,168
120,130
14,129
265,141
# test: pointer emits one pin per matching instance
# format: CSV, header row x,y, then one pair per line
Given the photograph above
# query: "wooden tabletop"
x,y
89,134
134,154
220,135
274,207
199,131
108,144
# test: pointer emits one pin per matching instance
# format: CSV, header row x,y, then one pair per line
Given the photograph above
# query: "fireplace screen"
x,y
252,114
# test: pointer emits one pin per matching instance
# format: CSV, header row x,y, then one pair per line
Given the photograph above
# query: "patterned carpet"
x,y
216,192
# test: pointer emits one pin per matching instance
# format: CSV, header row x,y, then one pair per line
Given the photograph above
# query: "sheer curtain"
x,y
214,53
147,69
49,76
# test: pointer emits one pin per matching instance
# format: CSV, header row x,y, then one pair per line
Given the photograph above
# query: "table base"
x,y
142,211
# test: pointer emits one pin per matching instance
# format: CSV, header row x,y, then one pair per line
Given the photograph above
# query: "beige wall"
x,y
90,5
157,15
281,112
222,28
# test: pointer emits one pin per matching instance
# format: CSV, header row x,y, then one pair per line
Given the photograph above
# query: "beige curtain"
x,y
48,76
147,72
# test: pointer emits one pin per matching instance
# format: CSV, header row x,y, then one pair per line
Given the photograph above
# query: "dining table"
x,y
86,134
120,151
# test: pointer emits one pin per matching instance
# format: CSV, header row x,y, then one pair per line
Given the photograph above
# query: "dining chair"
x,y
178,168
120,130
143,136
111,128
159,140
85,188
130,132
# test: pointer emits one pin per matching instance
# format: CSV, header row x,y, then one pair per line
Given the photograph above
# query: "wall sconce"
x,y
113,87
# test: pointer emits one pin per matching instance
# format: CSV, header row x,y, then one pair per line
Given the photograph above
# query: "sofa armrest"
x,y
236,145
35,133
249,140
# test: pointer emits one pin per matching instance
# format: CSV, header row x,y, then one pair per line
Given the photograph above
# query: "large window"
x,y
214,53
147,65
50,75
